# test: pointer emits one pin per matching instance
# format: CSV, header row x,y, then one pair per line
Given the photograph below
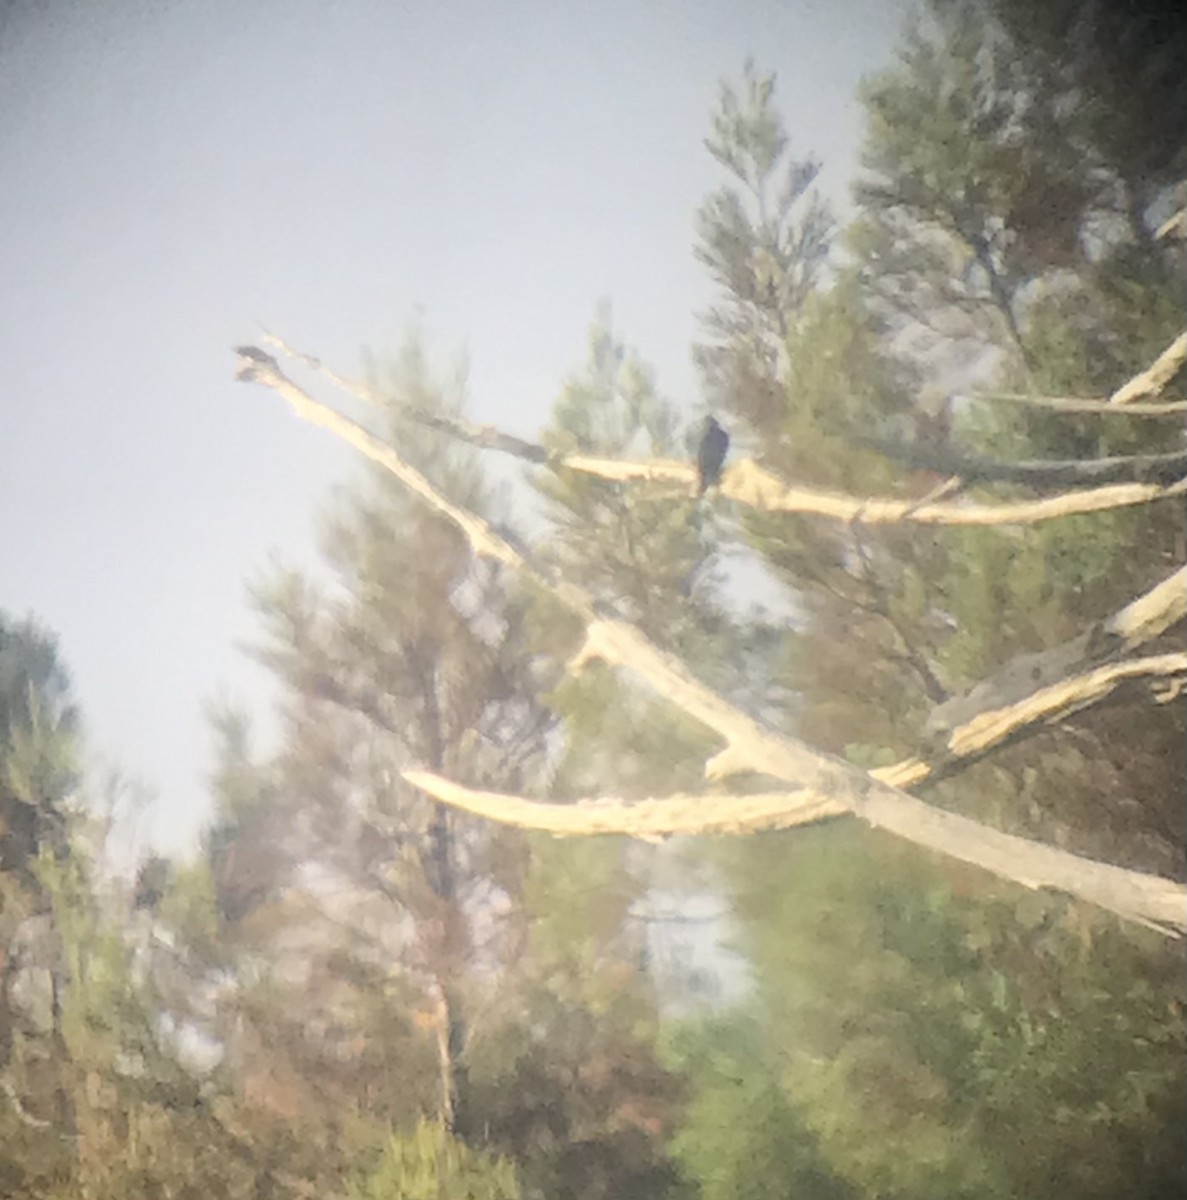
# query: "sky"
x,y
172,175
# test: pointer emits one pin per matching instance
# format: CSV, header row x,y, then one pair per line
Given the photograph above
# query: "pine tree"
x,y
913,1002
409,655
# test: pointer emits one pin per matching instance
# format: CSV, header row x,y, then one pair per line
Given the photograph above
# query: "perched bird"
x,y
711,452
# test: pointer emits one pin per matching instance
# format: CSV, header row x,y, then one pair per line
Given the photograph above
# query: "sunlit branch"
x,y
1155,377
1157,903
1139,622
754,487
1049,705
1174,226
648,818
751,485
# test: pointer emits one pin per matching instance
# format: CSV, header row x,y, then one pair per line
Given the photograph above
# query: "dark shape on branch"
x,y
711,452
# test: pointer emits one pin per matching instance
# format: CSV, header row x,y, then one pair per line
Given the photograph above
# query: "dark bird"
x,y
711,452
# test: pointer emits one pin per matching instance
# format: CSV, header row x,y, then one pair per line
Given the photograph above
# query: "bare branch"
x,y
1064,698
23,1114
1155,377
1077,404
1151,614
1174,226
1068,472
257,367
1149,900
1140,621
649,818
828,786
993,727
1157,903
486,437
748,483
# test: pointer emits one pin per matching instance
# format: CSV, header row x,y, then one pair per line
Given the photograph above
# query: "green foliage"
x,y
406,651
1007,1039
742,1137
764,238
572,1089
640,545
1117,67
38,746
906,1002
429,1164
649,552
867,613
32,678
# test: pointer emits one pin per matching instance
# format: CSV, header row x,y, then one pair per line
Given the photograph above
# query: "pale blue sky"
x,y
173,173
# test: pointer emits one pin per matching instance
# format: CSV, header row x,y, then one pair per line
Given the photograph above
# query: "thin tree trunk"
x,y
448,954
64,1112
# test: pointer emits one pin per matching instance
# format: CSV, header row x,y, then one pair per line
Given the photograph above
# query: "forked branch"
x,y
819,784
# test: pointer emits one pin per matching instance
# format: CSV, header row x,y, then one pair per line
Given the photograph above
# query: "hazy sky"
x,y
173,173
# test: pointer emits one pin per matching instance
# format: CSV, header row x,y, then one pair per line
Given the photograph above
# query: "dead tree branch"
x,y
1157,903
485,437
1078,404
1127,398
824,785
1155,377
1139,622
990,728
22,1113
651,818
1042,473
751,485
1175,226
